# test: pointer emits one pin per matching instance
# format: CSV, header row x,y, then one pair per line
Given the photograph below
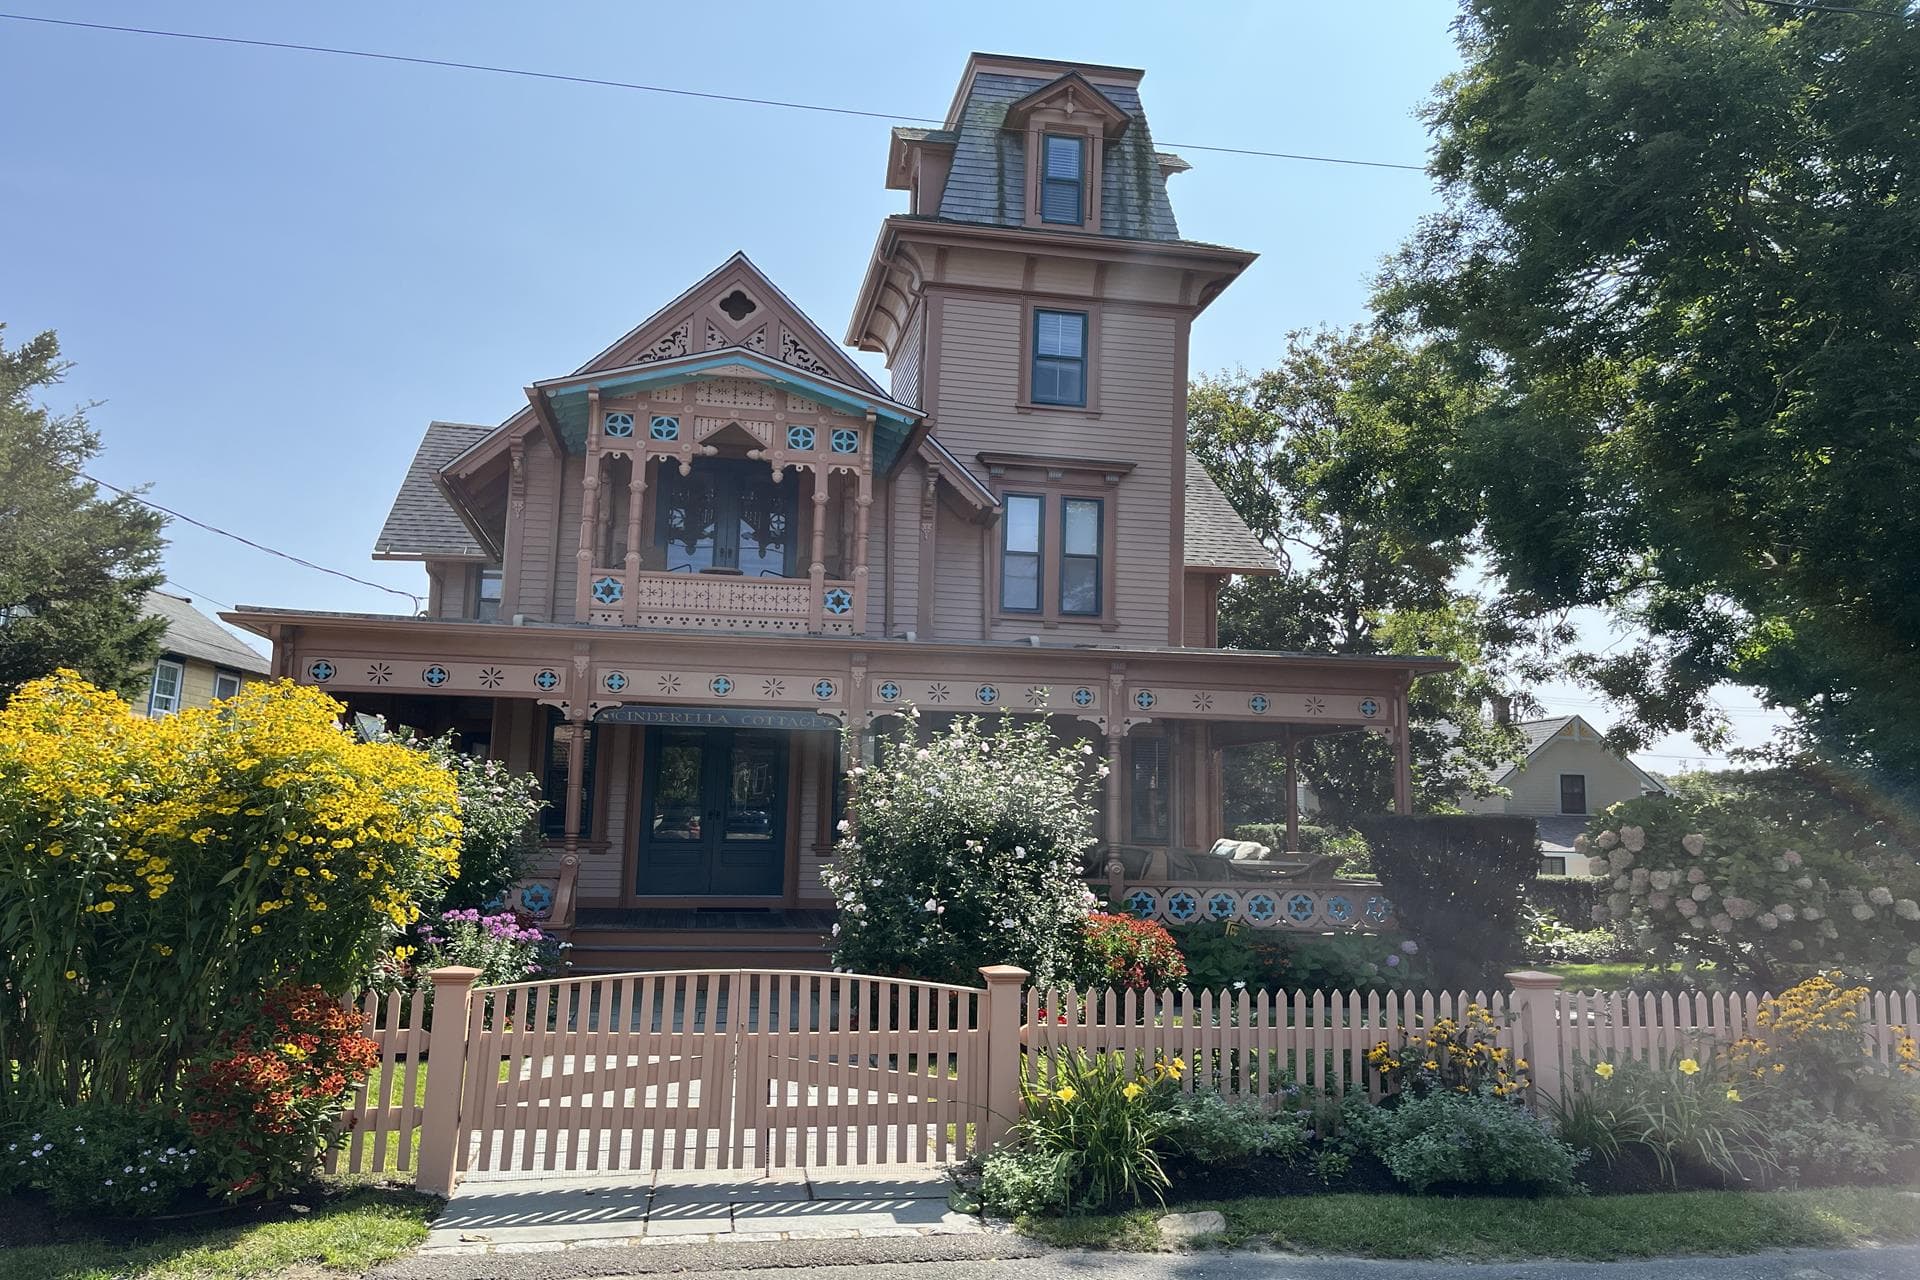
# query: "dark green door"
x,y
713,819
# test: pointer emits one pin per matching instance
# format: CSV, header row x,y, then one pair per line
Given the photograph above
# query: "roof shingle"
x,y
422,521
192,634
1217,538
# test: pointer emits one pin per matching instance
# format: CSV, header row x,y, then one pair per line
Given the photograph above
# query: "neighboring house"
x,y
199,662
1568,774
669,581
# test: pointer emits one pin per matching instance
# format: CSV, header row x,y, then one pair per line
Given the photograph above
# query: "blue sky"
x,y
272,268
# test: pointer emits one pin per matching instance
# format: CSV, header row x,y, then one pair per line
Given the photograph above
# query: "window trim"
x,y
1053,483
1045,178
1586,806
227,673
1099,558
1089,405
1039,554
1034,357
179,668
1056,122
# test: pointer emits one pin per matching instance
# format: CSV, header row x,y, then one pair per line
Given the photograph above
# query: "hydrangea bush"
x,y
965,848
1766,899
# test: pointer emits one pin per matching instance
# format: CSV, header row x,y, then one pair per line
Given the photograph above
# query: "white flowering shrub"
x,y
965,848
1772,883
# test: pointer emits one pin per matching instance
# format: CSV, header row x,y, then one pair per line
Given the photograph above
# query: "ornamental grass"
x,y
158,876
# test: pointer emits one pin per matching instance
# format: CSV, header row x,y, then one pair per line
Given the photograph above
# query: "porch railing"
x,y
719,602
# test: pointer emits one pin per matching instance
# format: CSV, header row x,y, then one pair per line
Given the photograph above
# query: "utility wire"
x,y
249,542
1798,7
599,82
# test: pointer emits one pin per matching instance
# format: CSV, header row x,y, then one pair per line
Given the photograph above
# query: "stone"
x,y
1178,1227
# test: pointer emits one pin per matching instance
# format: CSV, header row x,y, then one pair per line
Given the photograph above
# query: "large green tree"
x,y
75,567
1680,250
1336,458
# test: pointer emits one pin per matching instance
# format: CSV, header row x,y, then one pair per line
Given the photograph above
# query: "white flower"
x,y
1622,859
1792,859
1722,923
1658,901
1880,897
1598,866
1701,892
1787,912
1812,913
1907,909
1581,843
1694,843
1696,876
931,905
1863,912
836,930
1687,907
845,826
1767,920
1661,879
1606,839
1634,838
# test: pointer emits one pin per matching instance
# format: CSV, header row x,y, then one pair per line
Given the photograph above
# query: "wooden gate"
x,y
722,1069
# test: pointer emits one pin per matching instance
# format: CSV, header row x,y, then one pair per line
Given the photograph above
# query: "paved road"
x,y
1009,1258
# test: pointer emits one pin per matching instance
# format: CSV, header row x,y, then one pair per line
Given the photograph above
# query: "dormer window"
x,y
1063,179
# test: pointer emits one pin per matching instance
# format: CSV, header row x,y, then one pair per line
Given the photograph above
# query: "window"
x,y
1149,790
225,684
727,517
1080,520
1062,179
1553,866
1020,553
553,781
1059,358
1573,793
164,698
486,595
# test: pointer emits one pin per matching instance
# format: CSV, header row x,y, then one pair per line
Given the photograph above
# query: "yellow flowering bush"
x,y
155,873
1454,1055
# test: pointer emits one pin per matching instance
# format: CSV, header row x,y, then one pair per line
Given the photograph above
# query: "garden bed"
x,y
1477,1228
344,1227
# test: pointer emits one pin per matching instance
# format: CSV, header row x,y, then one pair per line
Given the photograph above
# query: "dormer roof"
x,y
1074,94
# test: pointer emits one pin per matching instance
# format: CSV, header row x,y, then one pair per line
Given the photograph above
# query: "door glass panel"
x,y
676,792
752,784
763,530
687,513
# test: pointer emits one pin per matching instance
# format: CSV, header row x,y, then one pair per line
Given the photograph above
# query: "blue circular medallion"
x,y
321,671
435,675
721,685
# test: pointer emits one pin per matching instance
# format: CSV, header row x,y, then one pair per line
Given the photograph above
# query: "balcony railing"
x,y
720,602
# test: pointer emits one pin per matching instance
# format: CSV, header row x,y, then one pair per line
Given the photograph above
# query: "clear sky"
x,y
273,268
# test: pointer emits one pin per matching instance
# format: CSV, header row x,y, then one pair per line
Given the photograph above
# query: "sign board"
x,y
719,718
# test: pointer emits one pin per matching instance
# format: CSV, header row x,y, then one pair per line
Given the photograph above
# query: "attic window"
x,y
1062,179
738,306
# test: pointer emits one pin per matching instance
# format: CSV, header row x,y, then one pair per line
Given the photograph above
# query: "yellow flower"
x,y
1132,1091
1733,1095
1689,1067
72,974
293,1051
1604,1070
1431,1065
1067,1094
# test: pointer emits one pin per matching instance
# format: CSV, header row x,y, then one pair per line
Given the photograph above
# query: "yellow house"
x,y
199,662
1569,774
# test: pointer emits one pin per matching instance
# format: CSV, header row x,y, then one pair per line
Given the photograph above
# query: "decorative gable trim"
x,y
1070,96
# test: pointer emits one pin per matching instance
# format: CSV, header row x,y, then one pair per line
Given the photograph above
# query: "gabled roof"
x,y
1076,90
1217,538
1540,734
423,522
192,634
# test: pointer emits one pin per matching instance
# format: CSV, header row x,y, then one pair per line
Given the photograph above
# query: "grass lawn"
x,y
1591,1228
345,1234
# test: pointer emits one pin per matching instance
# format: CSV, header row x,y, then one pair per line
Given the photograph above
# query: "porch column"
x,y
636,497
1402,759
589,512
863,516
817,571
1293,794
1116,869
576,730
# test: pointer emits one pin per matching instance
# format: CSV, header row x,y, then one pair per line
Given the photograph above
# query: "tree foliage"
x,y
75,567
1678,253
1336,458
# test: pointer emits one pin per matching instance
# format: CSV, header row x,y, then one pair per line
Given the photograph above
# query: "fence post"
x,y
1536,999
434,1171
1005,985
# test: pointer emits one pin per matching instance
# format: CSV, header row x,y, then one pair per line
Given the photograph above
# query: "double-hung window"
x,y
1044,573
225,684
1063,179
169,677
1059,374
1020,554
1573,793
486,595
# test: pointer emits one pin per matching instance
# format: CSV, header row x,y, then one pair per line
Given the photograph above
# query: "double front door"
x,y
714,814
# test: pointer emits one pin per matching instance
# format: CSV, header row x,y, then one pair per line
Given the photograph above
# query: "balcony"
x,y
725,602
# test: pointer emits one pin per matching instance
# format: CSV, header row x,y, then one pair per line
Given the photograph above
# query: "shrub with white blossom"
x,y
1771,881
965,848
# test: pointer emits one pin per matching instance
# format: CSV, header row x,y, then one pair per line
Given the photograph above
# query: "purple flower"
x,y
1393,962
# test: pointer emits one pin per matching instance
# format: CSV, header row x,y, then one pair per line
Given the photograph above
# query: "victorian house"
x,y
670,581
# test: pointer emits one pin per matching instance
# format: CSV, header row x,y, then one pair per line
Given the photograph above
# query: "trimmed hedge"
x,y
1568,899
1457,881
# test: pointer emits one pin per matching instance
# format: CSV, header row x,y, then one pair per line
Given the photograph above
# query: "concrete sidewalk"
x,y
544,1214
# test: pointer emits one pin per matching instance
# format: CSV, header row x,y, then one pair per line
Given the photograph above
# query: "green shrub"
x,y
1812,1146
1101,1125
1456,881
499,821
1023,1179
1467,1140
1568,899
1549,942
1126,952
1683,1111
1349,846
1218,960
965,849
99,1158
1211,1130
1274,960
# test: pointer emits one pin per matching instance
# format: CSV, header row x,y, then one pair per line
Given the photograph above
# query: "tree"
x,y
1335,458
75,568
1677,255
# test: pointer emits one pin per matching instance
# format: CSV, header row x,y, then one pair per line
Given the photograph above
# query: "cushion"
x,y
1240,850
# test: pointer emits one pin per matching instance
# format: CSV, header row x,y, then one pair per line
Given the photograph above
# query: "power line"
x,y
246,541
1797,7
197,595
602,83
